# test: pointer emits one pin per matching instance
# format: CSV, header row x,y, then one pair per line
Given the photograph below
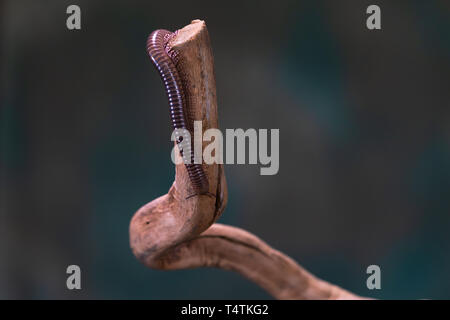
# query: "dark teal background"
x,y
364,125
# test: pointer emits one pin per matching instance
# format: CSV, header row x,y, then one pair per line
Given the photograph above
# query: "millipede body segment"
x,y
158,50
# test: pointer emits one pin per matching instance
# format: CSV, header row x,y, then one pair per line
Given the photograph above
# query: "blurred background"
x,y
364,123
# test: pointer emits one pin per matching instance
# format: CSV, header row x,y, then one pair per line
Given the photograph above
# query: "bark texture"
x,y
178,230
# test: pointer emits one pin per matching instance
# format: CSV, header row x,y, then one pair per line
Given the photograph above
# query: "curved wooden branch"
x,y
176,231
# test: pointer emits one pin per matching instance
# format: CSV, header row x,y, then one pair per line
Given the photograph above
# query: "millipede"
x,y
163,59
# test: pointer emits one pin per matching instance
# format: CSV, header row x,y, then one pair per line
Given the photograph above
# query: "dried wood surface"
x,y
176,231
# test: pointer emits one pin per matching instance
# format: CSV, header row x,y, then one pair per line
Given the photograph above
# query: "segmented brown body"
x,y
158,51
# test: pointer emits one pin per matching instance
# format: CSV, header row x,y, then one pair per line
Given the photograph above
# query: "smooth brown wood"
x,y
178,232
